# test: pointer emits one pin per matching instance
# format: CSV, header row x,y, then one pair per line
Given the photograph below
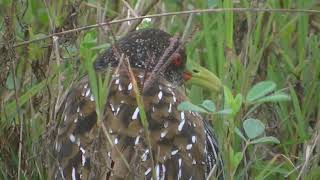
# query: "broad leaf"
x,y
253,128
259,90
267,139
208,105
275,98
188,106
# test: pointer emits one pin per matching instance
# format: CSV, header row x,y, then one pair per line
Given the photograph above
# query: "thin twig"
x,y
129,8
161,65
252,10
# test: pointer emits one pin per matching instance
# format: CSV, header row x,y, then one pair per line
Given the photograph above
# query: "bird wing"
x,y
119,148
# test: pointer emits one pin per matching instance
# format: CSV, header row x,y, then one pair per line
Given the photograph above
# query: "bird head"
x,y
159,54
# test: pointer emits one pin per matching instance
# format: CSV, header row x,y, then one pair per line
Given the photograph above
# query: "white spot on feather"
x,y
120,87
117,81
181,124
74,174
182,115
72,138
116,141
193,139
189,146
144,155
91,97
170,108
160,95
163,133
166,124
130,86
180,173
87,92
135,114
157,171
147,171
174,152
137,140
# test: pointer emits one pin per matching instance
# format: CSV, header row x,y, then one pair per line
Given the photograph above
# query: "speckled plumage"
x,y
182,143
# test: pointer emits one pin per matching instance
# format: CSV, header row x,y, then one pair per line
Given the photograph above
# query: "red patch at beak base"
x,y
187,75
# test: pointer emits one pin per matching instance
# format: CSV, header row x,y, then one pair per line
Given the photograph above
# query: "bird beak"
x,y
197,75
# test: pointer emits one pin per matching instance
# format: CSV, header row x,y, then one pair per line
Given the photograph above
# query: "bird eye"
x,y
176,59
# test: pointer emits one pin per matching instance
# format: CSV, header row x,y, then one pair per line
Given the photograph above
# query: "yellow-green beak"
x,y
197,75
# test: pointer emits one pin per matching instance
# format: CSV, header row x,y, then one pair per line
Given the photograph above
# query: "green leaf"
x,y
228,97
239,133
208,105
237,103
275,98
259,90
235,158
266,139
224,112
188,106
253,128
103,46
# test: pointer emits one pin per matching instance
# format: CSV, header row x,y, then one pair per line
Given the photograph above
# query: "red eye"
x,y
176,59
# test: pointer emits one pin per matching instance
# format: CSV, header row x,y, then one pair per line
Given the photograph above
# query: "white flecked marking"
x,y
112,107
135,114
74,174
174,152
181,124
145,155
91,97
137,140
189,146
160,95
182,116
117,81
194,162
57,146
163,133
83,160
120,87
87,92
170,108
116,141
78,109
82,150
180,169
110,131
163,172
118,109
72,138
75,120
85,86
166,124
147,171
130,86
157,171
193,139
174,98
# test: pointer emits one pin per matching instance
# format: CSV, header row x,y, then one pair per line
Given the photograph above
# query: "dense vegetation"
x,y
267,118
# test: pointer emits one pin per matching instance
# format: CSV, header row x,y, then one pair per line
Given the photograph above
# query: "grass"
x,y
243,49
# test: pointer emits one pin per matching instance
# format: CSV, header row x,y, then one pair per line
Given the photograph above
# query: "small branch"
x,y
252,10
